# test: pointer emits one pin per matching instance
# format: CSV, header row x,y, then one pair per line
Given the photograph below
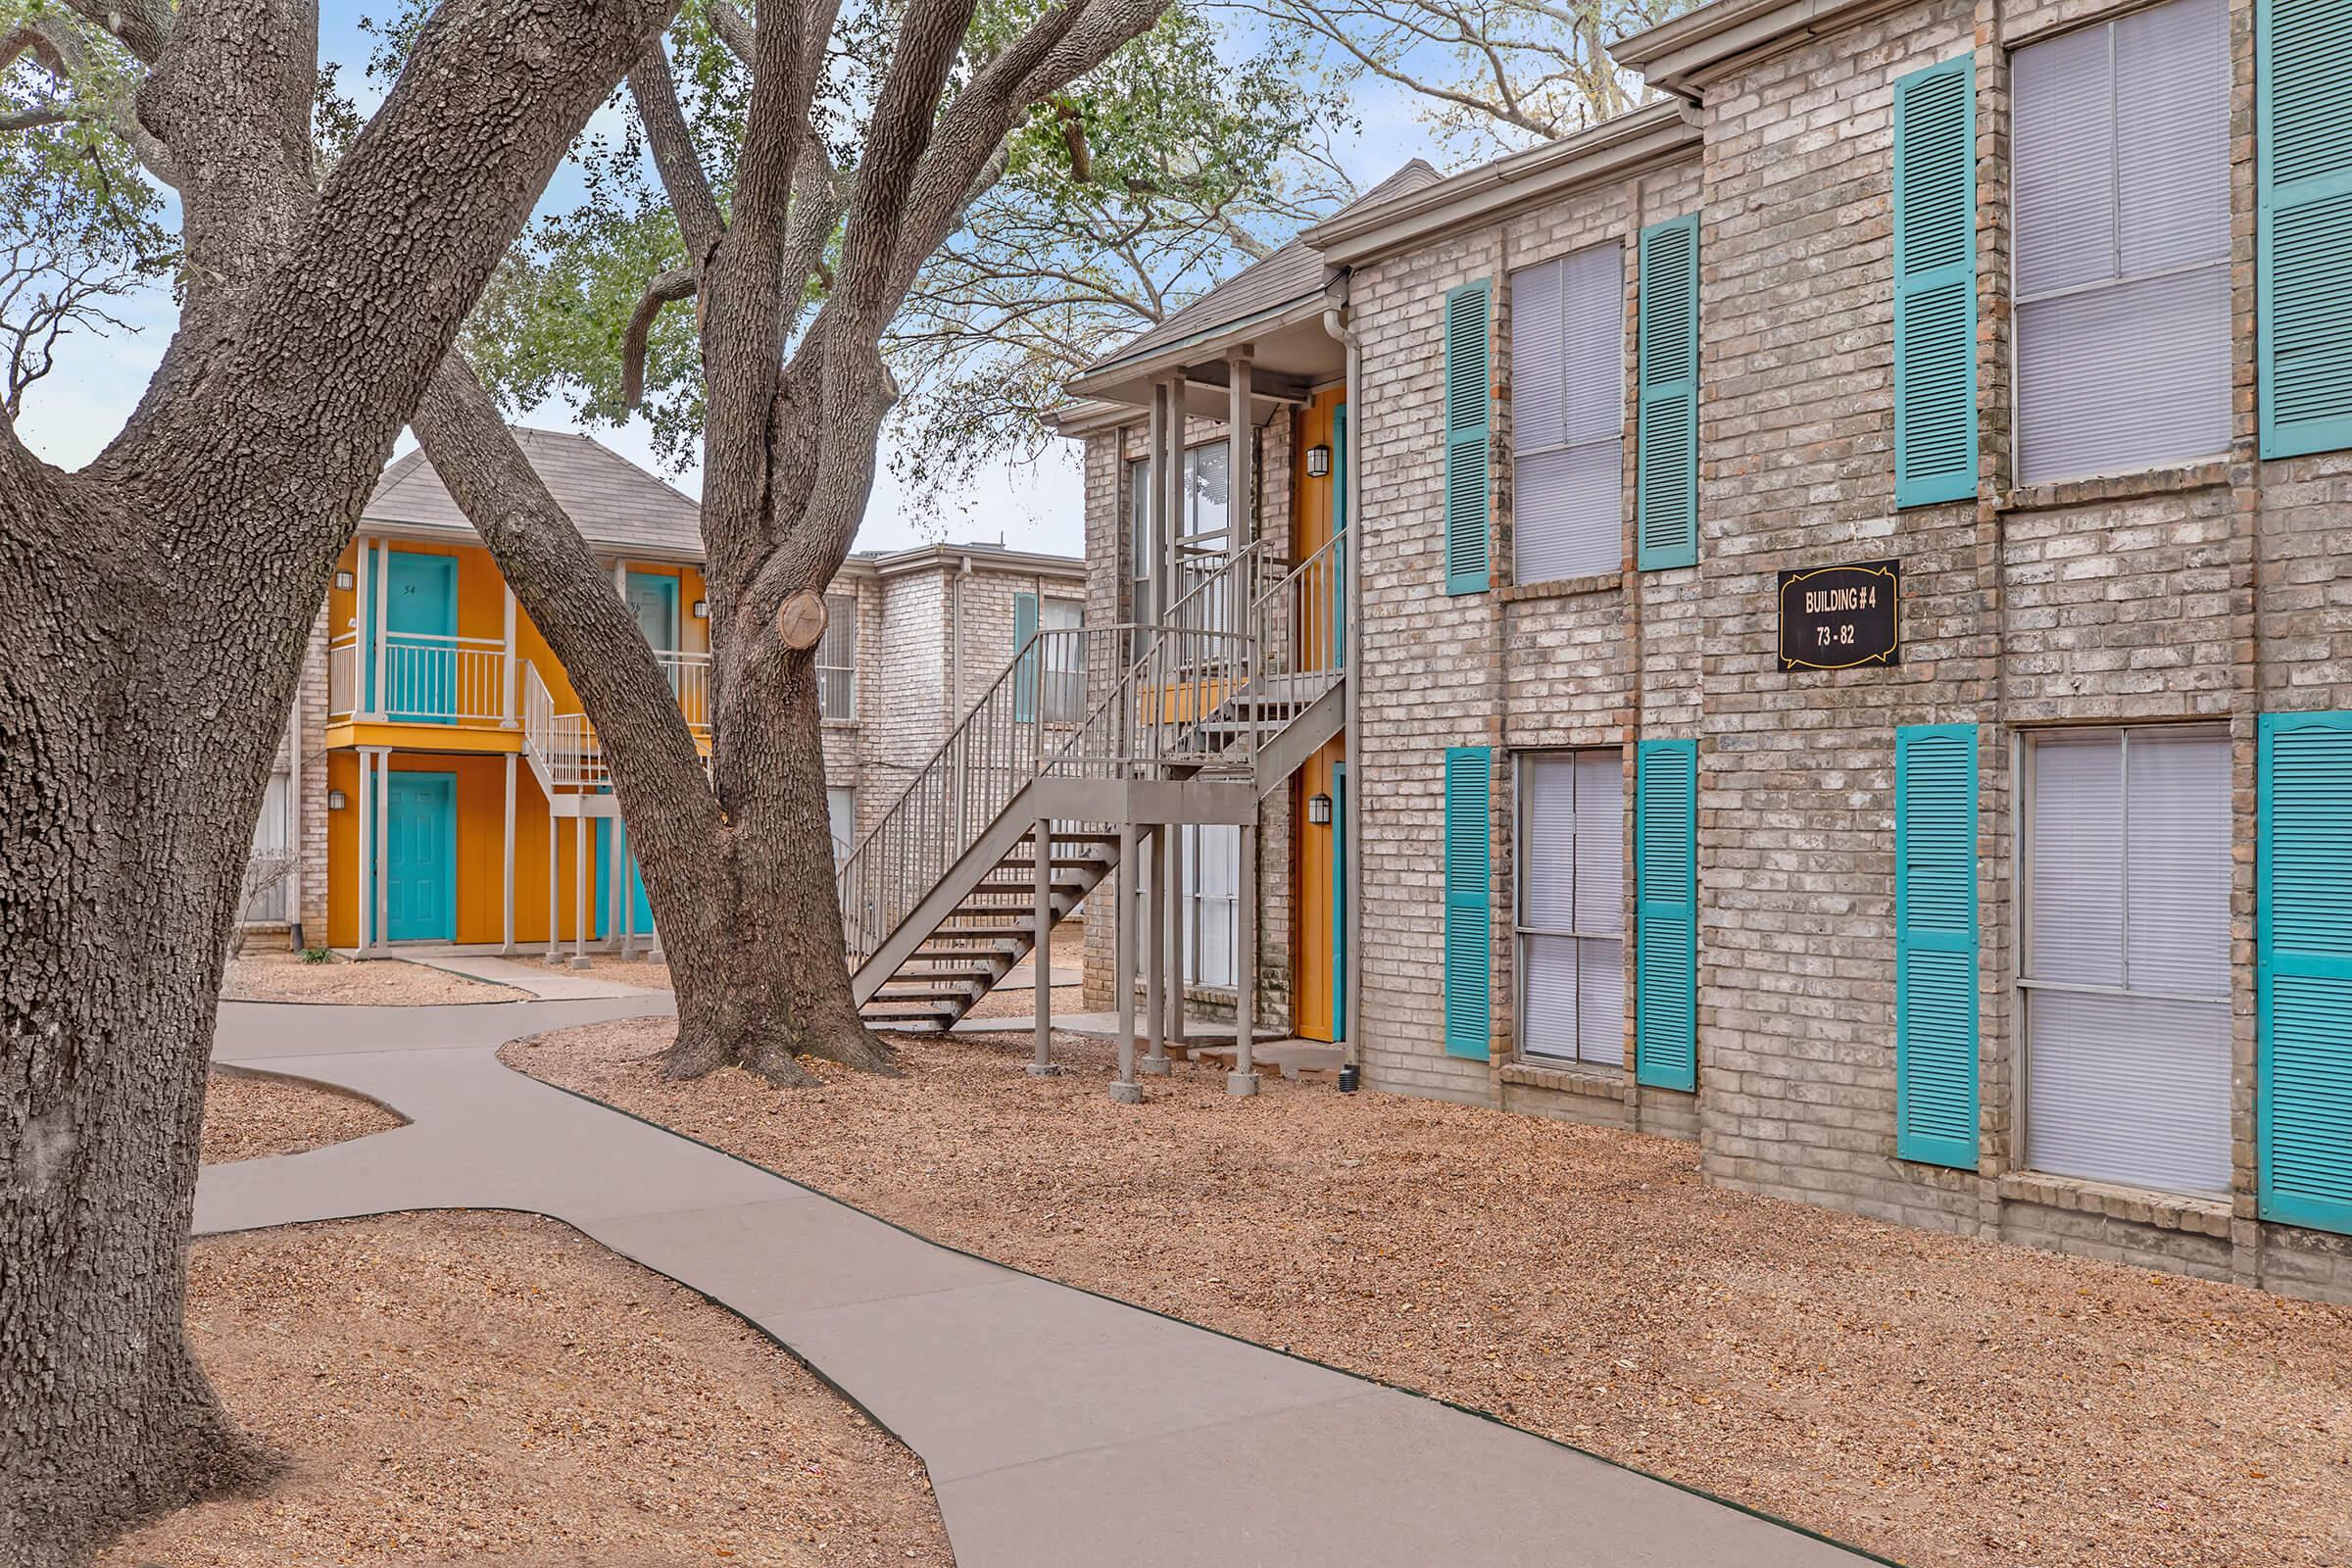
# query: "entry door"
x,y
420,630
653,599
421,882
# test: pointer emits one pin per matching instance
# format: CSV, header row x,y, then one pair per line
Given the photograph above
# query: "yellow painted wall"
x,y
482,830
1312,969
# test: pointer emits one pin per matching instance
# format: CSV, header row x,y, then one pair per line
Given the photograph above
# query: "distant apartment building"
x,y
438,783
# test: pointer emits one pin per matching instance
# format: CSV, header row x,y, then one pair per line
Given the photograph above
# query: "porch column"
x,y
555,927
1156,956
1176,501
582,868
508,705
1126,1090
616,884
362,657
1171,861
1156,511
1241,466
1040,957
383,841
362,850
1243,1080
383,601
508,944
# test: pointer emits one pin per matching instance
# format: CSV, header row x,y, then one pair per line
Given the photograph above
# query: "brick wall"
x,y
2202,592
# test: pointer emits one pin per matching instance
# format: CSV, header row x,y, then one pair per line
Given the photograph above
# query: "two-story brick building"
x,y
1851,660
438,783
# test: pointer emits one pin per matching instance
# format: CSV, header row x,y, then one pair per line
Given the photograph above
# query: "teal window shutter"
x,y
1469,906
1666,410
1935,283
1467,397
1666,914
2303,136
1024,678
1936,943
2303,970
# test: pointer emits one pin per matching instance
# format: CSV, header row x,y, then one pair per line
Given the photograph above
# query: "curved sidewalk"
x,y
1059,1427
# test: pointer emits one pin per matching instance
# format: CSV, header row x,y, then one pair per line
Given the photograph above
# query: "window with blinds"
x,y
1201,529
1568,417
1063,697
2120,170
2127,956
1211,904
1571,926
837,659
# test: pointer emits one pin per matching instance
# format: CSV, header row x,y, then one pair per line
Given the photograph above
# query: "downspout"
x,y
298,823
1336,322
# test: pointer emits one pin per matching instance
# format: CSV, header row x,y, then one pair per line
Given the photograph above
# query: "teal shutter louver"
x,y
1936,945
1024,677
1469,918
1935,285
2303,970
1467,399
1666,410
1666,914
2303,138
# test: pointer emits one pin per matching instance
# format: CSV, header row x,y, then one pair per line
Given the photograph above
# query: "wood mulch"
x,y
456,1388
268,974
1939,1400
246,1118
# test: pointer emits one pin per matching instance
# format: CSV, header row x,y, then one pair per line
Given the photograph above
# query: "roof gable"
x,y
610,500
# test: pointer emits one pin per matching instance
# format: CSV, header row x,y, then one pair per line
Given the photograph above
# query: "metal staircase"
x,y
1085,732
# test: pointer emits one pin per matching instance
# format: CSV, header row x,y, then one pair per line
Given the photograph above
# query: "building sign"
x,y
1840,617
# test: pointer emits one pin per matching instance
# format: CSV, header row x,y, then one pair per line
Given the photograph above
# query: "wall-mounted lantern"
x,y
343,581
1319,463
1318,810
335,801
702,610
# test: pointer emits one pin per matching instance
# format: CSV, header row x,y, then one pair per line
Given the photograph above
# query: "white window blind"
x,y
1063,698
2127,958
841,814
1568,417
1572,908
837,659
1211,904
2121,168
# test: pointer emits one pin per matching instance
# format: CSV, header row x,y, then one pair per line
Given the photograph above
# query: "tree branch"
x,y
667,288
681,169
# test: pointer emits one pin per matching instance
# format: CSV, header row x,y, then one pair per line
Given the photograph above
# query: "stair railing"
x,y
1300,630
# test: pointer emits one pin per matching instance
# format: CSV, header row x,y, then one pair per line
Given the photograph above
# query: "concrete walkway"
x,y
1059,1428
546,981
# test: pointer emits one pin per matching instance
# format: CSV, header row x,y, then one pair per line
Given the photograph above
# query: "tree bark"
x,y
153,613
740,882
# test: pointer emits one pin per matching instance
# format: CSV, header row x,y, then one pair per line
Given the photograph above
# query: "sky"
x,y
69,417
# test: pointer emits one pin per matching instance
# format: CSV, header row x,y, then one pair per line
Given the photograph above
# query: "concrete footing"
x,y
1127,1094
1241,1083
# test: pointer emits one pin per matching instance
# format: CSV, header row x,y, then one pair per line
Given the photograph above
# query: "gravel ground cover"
x,y
269,975
1934,1398
247,1117
463,1387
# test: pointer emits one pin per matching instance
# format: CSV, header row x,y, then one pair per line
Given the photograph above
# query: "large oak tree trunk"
x,y
737,863
138,742
154,607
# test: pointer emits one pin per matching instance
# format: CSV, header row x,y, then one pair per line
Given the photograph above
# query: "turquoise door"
x,y
1338,898
419,660
653,600
641,910
421,844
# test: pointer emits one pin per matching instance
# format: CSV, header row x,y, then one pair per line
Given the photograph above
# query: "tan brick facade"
x,y
2208,591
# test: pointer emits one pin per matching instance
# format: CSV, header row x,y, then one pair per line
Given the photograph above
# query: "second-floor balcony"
x,y
426,678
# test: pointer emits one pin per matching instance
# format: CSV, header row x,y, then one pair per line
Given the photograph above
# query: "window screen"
x,y
2126,958
1568,417
2120,165
1064,694
1572,908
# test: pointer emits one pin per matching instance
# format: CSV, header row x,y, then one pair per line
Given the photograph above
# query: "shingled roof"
x,y
1292,272
612,501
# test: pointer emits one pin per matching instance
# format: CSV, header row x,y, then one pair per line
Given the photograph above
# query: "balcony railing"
x,y
454,681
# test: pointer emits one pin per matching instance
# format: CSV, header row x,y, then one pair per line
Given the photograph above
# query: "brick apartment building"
x,y
1850,650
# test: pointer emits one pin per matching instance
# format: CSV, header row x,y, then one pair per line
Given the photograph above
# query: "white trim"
x,y
508,941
